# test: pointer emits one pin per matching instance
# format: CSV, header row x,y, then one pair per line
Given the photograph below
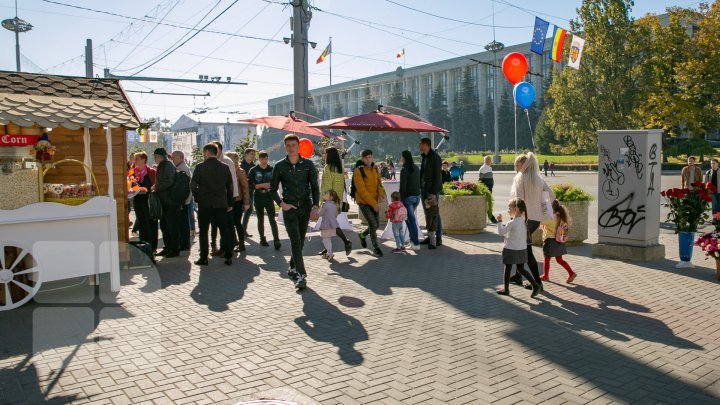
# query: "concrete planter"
x,y
463,215
579,213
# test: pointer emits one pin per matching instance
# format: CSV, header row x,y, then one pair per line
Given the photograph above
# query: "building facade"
x,y
196,131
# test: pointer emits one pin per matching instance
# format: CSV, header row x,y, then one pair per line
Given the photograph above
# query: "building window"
x,y
457,79
443,83
490,83
473,75
415,88
428,89
359,101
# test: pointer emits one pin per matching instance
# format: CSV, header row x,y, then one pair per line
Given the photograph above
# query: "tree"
x,y
438,113
245,143
603,92
506,122
196,157
489,124
466,118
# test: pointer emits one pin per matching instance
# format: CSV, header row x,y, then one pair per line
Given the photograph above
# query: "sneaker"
x,y
348,248
571,278
324,255
263,241
201,262
277,245
415,247
378,252
329,257
363,242
425,241
398,251
294,275
301,282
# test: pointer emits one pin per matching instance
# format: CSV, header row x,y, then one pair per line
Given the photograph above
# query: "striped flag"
x,y
324,53
400,54
558,40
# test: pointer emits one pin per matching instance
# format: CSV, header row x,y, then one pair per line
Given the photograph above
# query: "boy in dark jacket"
x,y
431,182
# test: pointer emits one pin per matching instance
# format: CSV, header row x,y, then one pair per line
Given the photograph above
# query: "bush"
x,y
690,147
569,192
464,188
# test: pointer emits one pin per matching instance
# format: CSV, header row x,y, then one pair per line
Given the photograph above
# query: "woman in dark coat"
x,y
144,178
410,194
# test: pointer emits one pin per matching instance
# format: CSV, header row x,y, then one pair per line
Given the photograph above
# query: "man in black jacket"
x,y
259,179
247,163
212,188
431,185
164,180
300,197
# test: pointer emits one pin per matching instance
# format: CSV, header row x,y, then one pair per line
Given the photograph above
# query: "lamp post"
x,y
495,47
17,26
485,139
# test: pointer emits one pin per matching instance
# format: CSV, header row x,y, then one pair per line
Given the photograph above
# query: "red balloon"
x,y
514,67
306,148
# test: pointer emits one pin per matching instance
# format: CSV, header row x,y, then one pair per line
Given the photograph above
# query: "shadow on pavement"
x,y
324,322
219,285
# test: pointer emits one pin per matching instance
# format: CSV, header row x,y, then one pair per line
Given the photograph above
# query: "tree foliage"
x,y
467,123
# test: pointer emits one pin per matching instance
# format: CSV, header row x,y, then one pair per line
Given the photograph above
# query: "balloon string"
x,y
532,136
515,117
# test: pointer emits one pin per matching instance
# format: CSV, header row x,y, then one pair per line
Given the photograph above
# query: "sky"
x,y
366,36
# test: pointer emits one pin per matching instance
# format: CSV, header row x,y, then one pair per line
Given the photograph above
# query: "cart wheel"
x,y
19,276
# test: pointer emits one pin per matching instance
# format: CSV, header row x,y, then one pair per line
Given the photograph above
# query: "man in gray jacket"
x,y
164,180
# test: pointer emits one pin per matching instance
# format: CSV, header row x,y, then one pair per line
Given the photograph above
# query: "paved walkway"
x,y
422,328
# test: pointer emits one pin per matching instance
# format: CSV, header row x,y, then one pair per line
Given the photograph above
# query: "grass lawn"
x,y
509,158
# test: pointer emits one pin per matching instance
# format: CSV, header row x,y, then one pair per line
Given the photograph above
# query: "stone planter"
x,y
579,213
463,215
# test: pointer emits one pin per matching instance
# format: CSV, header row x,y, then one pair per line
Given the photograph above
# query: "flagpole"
x,y
330,46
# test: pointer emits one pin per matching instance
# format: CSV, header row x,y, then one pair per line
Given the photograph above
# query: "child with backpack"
x,y
328,222
554,237
397,214
515,247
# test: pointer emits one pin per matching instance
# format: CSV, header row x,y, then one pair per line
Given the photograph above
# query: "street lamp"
x,y
17,26
485,139
495,47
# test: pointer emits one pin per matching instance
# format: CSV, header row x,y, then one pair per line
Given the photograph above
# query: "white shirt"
x,y
485,169
515,233
231,165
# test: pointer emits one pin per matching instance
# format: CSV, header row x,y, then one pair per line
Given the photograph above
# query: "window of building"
x,y
546,63
359,100
473,74
490,83
415,88
443,83
428,88
457,81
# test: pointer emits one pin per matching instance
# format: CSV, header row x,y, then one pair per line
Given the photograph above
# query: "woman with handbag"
x,y
333,178
143,176
531,188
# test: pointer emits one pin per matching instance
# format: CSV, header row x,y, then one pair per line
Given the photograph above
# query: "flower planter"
x,y
717,269
578,230
463,214
685,241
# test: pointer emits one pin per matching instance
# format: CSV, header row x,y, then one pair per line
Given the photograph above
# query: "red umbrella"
x,y
292,124
378,121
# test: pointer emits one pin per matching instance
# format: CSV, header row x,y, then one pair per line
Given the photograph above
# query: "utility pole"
x,y
88,59
300,22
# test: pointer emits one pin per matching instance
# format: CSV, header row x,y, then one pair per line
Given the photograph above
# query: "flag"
x,y
326,52
558,40
539,33
576,48
142,133
400,54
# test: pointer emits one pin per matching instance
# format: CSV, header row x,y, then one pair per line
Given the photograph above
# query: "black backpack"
x,y
180,189
353,189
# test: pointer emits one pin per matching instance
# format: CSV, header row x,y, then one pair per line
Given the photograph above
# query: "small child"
x,y
431,214
397,214
554,231
329,223
515,248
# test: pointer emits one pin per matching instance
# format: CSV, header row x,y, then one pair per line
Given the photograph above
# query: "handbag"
x,y
344,206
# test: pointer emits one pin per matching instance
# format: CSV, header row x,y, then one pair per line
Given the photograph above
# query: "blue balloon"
x,y
524,94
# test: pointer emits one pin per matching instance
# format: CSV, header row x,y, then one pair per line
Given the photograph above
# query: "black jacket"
x,y
258,175
165,176
430,172
212,184
299,182
409,181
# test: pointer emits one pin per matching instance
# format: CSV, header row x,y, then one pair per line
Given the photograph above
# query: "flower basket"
x,y
77,200
688,210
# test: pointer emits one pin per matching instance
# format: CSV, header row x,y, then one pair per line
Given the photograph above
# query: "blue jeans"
x,y
715,202
411,204
425,195
398,234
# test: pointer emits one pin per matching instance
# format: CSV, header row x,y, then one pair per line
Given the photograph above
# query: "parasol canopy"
x,y
378,121
292,124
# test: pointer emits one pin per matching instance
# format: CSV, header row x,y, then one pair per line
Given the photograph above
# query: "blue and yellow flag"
x,y
539,33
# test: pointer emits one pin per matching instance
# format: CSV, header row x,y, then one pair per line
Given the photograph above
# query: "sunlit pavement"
x,y
426,327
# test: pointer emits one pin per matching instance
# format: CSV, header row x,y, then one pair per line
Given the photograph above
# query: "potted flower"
x,y
709,243
688,209
577,203
464,206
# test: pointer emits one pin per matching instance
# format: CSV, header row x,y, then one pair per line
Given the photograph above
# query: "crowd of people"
x,y
226,188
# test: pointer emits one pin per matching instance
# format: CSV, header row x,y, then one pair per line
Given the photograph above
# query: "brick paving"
x,y
422,328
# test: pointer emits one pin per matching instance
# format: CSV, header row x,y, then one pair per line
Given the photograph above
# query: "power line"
x,y
454,19
531,12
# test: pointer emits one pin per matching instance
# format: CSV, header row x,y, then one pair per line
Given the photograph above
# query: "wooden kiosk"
x,y
63,202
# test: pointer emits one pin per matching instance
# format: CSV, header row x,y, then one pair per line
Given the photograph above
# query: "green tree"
x,y
602,93
247,142
196,157
489,124
438,113
466,117
506,121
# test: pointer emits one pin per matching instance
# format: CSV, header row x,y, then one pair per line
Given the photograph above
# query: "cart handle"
x,y
95,183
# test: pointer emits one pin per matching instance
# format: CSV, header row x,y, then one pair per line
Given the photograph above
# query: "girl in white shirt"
x,y
515,248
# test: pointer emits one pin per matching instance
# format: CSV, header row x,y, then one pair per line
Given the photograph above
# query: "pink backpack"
x,y
561,233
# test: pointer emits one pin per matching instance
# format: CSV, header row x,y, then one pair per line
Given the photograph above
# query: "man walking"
x,y
164,180
431,186
712,177
368,194
236,197
184,219
246,164
260,177
212,187
690,174
546,166
300,199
